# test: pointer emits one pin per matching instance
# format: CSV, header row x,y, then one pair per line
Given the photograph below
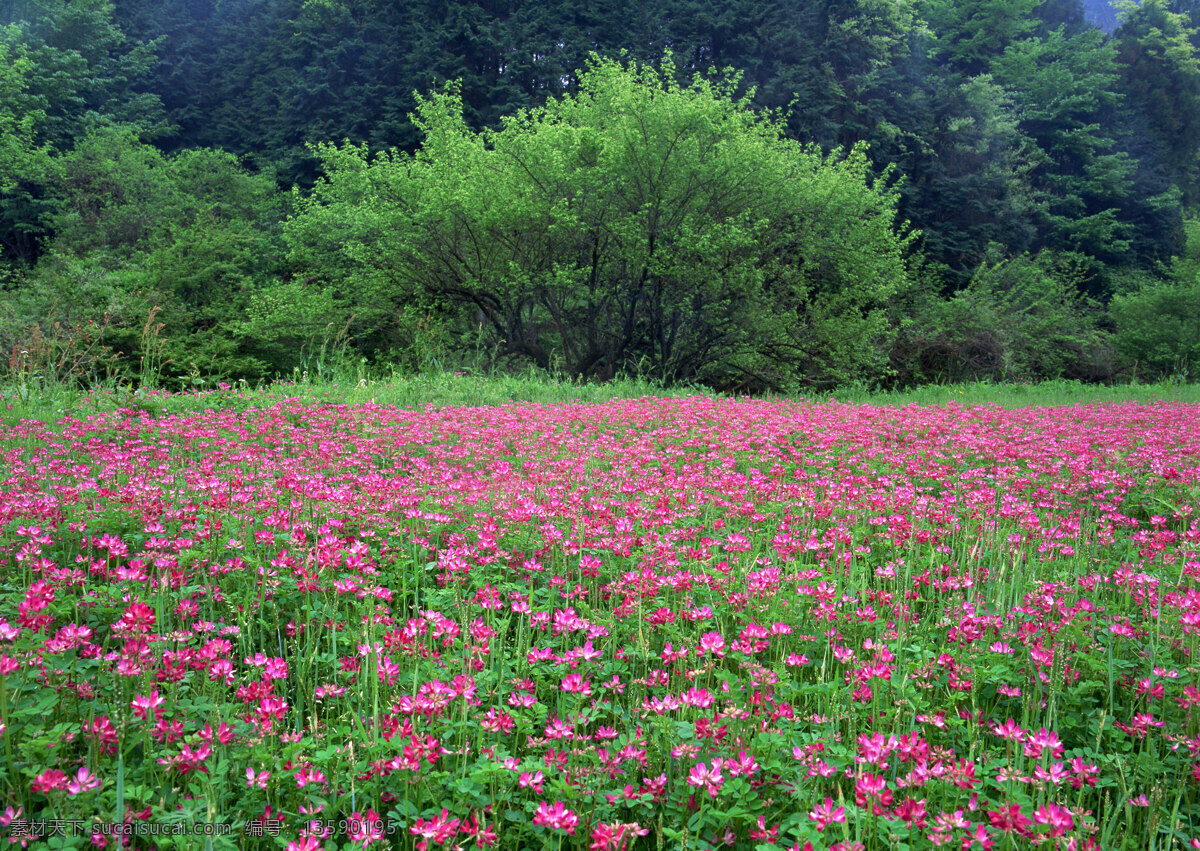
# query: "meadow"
x,y
540,615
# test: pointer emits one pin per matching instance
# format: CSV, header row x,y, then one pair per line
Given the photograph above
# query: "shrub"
x,y
1018,319
1158,321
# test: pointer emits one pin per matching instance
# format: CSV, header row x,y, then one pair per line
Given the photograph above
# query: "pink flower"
x,y
259,780
103,732
576,684
701,776
556,816
1057,818
309,775
825,814
30,829
484,835
745,764
1084,772
1009,730
141,704
188,760
82,782
764,833
223,733
531,781
49,780
1035,743
138,618
1009,819
305,843
439,829
712,642
366,829
616,837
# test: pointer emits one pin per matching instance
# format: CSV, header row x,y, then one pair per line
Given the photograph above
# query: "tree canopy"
x,y
635,224
1025,144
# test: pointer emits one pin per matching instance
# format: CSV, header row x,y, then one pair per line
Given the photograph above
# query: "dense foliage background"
x,y
755,194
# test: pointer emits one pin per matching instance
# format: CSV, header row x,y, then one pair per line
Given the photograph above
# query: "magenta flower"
x,y
365,829
1057,818
49,780
826,814
142,705
82,782
187,760
260,779
531,781
703,777
138,618
744,765
712,642
616,837
555,816
1009,819
305,843
1043,739
438,830
764,833
576,684
1009,730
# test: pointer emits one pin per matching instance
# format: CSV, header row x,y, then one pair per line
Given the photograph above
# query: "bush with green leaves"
x,y
1018,319
637,225
191,237
1157,320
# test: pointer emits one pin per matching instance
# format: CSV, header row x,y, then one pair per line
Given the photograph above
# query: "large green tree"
x,y
18,123
635,224
1065,97
1160,72
1062,150
83,70
968,34
77,72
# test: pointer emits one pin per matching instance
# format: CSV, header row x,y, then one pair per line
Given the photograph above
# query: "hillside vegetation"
x,y
756,196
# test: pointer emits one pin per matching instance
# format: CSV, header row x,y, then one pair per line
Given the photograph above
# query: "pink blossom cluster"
x,y
646,623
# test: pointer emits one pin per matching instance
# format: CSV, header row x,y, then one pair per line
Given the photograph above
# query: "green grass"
x,y
49,402
1043,394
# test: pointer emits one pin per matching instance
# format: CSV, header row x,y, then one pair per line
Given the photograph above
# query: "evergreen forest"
x,y
750,195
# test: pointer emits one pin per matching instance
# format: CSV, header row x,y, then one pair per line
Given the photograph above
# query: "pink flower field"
x,y
685,623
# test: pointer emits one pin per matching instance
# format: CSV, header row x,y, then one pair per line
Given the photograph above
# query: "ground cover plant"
x,y
681,623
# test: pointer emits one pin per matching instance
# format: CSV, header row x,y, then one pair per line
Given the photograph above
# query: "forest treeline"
x,y
750,194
